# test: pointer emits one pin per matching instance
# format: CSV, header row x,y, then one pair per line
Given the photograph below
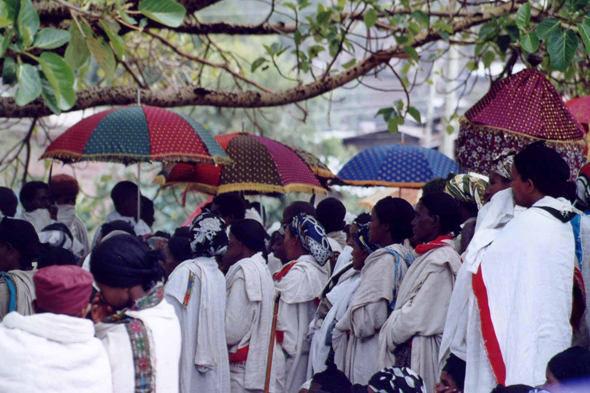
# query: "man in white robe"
x,y
196,289
299,284
65,189
54,350
249,308
523,286
36,202
331,213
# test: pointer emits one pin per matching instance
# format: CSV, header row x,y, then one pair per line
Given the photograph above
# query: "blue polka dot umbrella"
x,y
396,165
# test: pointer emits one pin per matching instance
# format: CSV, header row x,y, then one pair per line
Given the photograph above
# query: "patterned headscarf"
x,y
362,239
208,236
467,189
583,185
397,380
312,236
502,164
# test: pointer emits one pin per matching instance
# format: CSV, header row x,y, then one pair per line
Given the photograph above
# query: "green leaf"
x,y
523,16
450,129
61,78
315,50
323,17
503,42
410,51
392,126
421,17
472,66
49,95
370,18
561,48
29,85
257,63
530,42
512,31
119,4
6,19
9,72
112,28
478,49
548,27
291,6
349,64
444,27
414,28
584,30
386,112
415,113
166,12
77,52
487,31
28,23
399,104
488,58
103,54
51,38
4,42
576,5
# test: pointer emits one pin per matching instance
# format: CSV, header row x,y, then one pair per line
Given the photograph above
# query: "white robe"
x,y
527,274
420,312
52,353
164,346
39,218
196,289
356,355
25,292
248,322
337,240
66,214
298,290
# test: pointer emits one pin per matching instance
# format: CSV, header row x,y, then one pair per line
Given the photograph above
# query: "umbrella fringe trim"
x,y
70,156
323,173
465,122
256,187
373,183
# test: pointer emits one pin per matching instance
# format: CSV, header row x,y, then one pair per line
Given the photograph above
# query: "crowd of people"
x,y
480,287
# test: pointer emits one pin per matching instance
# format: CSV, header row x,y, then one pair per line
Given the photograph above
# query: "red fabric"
x,y
436,243
280,336
579,300
63,289
487,329
240,355
278,276
580,108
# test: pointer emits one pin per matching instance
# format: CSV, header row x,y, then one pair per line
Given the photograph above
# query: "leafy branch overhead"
x,y
65,55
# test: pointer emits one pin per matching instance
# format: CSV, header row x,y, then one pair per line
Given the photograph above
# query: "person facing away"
x,y
300,284
381,276
331,213
569,370
229,206
19,246
65,191
54,350
8,202
412,334
136,325
124,196
36,202
249,309
196,289
524,283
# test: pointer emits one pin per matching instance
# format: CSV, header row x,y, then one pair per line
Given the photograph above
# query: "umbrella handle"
x,y
138,189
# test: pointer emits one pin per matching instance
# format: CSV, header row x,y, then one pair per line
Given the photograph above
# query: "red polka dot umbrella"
x,y
136,134
259,165
519,110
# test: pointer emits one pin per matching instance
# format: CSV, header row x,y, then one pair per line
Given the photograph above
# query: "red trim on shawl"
x,y
241,355
487,329
579,300
436,243
280,335
278,276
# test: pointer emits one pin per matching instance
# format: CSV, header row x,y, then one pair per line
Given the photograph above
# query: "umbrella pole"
x,y
138,192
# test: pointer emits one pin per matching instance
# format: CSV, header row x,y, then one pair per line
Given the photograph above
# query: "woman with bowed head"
x,y
135,323
381,275
196,289
412,334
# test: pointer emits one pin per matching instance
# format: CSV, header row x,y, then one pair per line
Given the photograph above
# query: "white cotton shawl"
x,y
141,228
293,289
39,218
52,353
66,214
260,289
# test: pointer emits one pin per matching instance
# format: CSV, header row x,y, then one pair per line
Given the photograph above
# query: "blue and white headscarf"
x,y
312,236
362,239
208,235
397,380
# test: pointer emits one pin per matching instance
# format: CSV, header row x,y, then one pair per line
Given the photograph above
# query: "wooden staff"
x,y
271,345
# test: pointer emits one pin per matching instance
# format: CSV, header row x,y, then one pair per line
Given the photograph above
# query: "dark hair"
x,y
332,380
231,204
27,193
53,255
362,219
398,213
21,235
512,389
571,365
147,210
331,213
298,207
122,190
118,225
435,185
8,201
180,248
456,367
444,206
250,233
545,167
182,232
125,262
256,206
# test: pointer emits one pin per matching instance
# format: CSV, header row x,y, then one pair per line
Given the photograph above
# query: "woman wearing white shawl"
x,y
196,289
249,310
523,284
381,277
299,284
412,334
